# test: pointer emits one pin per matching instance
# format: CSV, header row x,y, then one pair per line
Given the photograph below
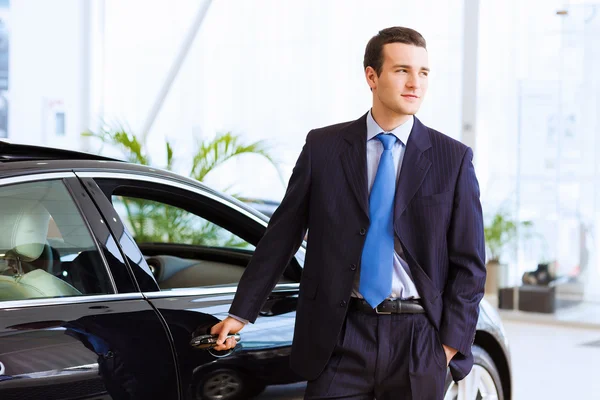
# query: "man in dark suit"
x,y
394,268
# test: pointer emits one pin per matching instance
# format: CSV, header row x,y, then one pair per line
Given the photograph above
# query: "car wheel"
x,y
227,384
482,383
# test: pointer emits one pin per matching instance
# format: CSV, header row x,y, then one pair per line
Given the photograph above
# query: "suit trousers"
x,y
383,357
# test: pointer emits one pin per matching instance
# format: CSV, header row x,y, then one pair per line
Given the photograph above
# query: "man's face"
x,y
403,81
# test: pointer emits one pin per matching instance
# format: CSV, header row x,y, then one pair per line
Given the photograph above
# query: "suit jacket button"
x,y
343,303
353,267
362,231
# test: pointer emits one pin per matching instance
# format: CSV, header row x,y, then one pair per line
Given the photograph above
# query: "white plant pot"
x,y
497,277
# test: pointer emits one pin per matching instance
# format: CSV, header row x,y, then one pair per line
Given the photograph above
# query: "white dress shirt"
x,y
403,286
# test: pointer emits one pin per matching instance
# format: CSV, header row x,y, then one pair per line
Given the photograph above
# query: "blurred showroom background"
x,y
517,80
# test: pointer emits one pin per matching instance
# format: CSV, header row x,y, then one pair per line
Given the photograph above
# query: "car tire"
x,y
482,383
227,384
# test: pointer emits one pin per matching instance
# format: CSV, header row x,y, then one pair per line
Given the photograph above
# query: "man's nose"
x,y
413,81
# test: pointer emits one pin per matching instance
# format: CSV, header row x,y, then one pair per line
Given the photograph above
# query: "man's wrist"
x,y
242,320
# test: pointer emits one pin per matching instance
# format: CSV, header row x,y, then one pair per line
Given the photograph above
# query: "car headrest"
x,y
24,224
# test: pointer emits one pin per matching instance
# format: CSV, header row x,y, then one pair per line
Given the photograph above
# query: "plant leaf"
x,y
169,156
222,148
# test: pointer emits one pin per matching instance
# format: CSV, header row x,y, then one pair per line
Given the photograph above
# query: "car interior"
x,y
27,260
46,249
186,266
198,263
175,272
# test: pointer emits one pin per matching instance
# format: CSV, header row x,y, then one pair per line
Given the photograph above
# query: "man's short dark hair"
x,y
396,34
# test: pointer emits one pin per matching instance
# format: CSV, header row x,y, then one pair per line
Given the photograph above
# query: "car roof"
x,y
21,159
10,151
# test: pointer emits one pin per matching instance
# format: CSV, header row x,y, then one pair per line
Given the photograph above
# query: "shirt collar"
x,y
401,132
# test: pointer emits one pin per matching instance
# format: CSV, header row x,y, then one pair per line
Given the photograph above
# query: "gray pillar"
x,y
86,75
93,75
469,83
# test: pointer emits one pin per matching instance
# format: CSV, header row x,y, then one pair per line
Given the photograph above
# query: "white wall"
x,y
47,66
266,69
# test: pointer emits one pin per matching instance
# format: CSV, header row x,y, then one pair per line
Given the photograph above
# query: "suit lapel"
x,y
354,161
415,166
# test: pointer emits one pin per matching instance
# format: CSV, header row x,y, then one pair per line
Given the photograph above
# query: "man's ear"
x,y
371,77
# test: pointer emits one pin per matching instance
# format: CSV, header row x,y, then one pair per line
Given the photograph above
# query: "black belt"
x,y
395,306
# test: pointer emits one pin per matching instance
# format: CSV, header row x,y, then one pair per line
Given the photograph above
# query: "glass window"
x,y
46,249
538,152
182,249
154,222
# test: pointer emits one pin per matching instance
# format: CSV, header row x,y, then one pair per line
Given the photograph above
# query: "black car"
x,y
109,270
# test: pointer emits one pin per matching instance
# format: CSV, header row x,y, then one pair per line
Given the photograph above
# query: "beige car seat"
x,y
24,227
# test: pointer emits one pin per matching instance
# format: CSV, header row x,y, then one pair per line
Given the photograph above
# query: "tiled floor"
x,y
554,362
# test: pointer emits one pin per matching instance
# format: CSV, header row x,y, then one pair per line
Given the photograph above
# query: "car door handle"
x,y
206,342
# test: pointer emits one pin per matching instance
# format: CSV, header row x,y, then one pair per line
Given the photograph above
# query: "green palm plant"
x,y
501,232
212,154
209,155
154,222
157,222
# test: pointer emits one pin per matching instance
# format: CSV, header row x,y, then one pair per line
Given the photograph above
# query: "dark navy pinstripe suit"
x,y
439,232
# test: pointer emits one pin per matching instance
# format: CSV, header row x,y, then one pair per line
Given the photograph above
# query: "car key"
x,y
209,341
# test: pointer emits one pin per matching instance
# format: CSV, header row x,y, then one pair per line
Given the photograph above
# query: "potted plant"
x,y
499,234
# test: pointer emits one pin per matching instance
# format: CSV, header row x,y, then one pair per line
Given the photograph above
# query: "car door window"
x,y
46,248
155,222
183,249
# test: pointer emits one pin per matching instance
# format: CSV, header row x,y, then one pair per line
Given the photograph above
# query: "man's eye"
x,y
400,70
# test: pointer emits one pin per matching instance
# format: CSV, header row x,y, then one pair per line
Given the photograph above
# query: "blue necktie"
x,y
378,253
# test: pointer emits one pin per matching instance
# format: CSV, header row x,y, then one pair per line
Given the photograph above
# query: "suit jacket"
x,y
438,229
